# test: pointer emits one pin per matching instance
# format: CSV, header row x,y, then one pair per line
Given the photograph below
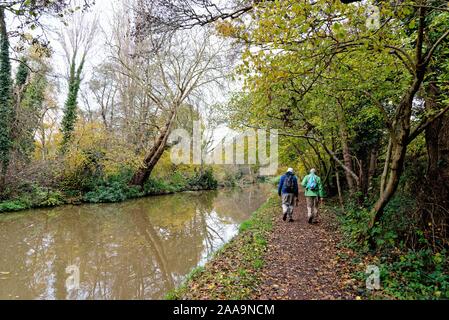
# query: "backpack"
x,y
289,184
312,184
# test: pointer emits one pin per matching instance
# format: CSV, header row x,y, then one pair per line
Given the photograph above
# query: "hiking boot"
x,y
291,220
285,217
310,220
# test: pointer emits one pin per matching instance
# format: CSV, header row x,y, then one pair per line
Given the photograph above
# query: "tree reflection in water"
x,y
133,250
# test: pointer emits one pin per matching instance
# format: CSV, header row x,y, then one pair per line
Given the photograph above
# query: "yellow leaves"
x,y
119,156
37,51
211,286
438,258
28,36
47,149
93,140
339,31
86,138
226,29
90,134
74,163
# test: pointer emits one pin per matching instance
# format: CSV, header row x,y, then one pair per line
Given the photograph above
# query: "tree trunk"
x,y
345,148
348,163
322,164
372,167
399,150
399,141
444,154
368,165
432,133
6,111
400,127
383,180
340,196
155,153
437,142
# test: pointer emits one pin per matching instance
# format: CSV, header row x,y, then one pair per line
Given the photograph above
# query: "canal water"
x,y
138,249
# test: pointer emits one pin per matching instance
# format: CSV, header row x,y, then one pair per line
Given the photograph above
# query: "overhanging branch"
x,y
423,126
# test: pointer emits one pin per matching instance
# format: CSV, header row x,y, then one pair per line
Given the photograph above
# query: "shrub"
x,y
13,205
417,275
156,186
178,182
418,271
43,197
49,199
82,169
204,180
36,197
94,158
114,191
230,179
354,224
275,180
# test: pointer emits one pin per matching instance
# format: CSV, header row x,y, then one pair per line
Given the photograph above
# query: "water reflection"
x,y
133,250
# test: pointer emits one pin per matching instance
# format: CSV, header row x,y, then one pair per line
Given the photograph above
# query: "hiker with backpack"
x,y
313,192
289,191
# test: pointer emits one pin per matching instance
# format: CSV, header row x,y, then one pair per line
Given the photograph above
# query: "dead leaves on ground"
x,y
300,261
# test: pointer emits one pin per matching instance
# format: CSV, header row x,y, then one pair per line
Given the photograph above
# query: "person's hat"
x,y
290,170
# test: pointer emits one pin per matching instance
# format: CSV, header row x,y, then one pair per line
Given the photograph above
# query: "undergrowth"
x,y
410,266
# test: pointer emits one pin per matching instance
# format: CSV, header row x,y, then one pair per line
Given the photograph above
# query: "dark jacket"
x,y
282,190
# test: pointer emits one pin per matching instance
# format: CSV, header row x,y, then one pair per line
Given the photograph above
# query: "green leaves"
x,y
339,30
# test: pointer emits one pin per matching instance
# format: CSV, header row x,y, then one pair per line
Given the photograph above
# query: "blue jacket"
x,y
282,190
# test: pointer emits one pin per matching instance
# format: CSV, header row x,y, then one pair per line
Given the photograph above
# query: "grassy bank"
x,y
235,269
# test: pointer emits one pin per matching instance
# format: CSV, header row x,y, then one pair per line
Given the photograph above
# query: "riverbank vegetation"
x,y
75,129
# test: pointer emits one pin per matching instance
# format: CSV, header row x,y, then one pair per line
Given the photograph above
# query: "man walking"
x,y
288,190
313,192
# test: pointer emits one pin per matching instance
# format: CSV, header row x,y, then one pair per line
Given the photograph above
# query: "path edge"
x,y
233,272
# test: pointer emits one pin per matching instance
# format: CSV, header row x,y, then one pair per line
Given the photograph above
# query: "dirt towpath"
x,y
302,261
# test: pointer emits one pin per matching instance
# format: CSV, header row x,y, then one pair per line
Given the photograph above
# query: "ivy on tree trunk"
x,y
70,108
5,100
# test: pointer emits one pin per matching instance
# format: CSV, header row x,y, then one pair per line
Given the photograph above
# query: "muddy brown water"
x,y
138,249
